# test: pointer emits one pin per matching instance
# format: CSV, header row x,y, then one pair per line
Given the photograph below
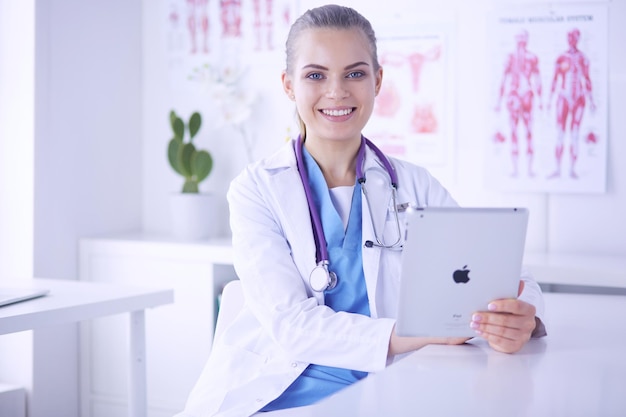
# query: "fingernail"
x,y
491,307
477,317
474,325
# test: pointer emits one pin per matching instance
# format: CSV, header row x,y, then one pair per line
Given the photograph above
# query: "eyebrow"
x,y
349,67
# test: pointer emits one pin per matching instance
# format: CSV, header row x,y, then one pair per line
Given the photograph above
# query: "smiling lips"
x,y
337,113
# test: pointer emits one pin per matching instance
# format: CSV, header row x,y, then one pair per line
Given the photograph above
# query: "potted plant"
x,y
193,164
193,213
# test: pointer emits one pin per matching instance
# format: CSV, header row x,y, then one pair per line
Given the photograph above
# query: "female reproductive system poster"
x,y
413,113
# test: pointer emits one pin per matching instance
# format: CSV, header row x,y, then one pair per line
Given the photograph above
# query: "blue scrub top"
x,y
350,293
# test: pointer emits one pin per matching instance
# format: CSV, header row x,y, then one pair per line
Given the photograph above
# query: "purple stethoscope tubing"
x,y
361,157
321,251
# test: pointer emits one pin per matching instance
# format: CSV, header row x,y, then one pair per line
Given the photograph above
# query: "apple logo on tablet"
x,y
461,276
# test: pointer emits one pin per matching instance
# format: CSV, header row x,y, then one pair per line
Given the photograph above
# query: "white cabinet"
x,y
578,273
12,401
178,336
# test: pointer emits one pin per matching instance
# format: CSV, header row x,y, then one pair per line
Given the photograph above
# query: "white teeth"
x,y
337,112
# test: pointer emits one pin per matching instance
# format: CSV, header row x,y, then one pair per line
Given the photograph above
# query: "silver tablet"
x,y
454,262
16,295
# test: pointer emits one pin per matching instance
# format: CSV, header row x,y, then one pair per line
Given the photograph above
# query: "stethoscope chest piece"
x,y
322,279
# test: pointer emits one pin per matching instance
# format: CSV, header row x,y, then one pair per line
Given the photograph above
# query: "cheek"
x,y
370,90
305,100
367,96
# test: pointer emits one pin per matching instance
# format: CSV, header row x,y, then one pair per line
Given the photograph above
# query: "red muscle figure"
x,y
519,83
571,79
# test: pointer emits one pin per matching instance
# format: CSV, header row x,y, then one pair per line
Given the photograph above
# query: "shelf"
x,y
547,268
218,251
577,270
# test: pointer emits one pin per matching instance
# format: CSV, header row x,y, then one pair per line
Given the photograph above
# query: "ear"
x,y
287,85
379,80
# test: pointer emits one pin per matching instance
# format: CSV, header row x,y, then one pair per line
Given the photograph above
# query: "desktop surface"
x,y
579,369
70,300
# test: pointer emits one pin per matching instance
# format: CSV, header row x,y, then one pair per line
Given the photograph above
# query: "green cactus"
x,y
195,165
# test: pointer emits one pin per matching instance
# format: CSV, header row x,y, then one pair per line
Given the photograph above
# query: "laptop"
x,y
454,262
16,295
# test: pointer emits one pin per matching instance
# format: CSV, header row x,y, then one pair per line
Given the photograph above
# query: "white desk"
x,y
196,271
73,301
579,369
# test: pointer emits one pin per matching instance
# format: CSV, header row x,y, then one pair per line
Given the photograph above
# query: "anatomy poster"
x,y
549,106
410,119
226,36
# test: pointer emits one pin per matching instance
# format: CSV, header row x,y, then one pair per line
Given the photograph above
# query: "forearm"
x,y
400,344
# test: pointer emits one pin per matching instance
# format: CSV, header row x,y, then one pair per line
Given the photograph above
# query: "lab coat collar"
x,y
285,157
379,188
292,201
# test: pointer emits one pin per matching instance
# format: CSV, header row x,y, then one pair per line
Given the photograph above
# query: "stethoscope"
x,y
322,278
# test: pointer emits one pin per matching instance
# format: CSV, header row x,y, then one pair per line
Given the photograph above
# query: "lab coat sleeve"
x,y
269,234
532,294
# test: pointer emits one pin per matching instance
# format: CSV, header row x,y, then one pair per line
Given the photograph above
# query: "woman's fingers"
x,y
507,326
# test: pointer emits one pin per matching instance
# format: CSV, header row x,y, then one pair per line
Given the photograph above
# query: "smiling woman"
x,y
352,55
334,88
321,298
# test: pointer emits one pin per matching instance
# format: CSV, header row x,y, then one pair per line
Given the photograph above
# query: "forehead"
x,y
332,46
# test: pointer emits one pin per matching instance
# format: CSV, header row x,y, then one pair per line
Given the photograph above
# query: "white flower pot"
x,y
193,216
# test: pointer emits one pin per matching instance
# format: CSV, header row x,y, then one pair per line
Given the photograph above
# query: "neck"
x,y
337,159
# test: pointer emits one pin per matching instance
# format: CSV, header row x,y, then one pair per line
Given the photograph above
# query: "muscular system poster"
x,y
224,34
548,116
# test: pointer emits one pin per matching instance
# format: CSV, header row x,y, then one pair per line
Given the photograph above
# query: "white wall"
x,y
70,161
87,156
17,113
88,127
585,224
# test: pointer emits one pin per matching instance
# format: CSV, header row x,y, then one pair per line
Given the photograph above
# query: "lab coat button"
x,y
294,364
259,400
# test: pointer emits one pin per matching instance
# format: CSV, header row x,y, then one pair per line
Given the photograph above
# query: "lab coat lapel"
x,y
379,197
294,211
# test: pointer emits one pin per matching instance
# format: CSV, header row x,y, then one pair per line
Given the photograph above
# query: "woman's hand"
x,y
507,325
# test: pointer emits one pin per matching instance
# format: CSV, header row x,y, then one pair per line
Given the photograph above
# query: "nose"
x,y
337,89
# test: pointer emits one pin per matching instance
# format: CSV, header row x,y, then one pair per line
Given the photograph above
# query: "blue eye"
x,y
315,76
355,74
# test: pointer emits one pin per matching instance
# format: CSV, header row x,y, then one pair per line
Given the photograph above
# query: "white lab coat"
x,y
284,325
